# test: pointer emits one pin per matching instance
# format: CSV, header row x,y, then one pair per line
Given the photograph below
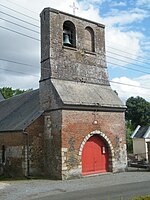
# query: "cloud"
x,y
16,80
91,14
22,49
118,46
126,91
143,3
118,4
124,17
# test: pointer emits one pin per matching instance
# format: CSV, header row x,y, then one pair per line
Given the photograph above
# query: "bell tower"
x,y
74,47
75,91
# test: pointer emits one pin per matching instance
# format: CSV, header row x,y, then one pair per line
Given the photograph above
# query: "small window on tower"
x,y
69,34
89,39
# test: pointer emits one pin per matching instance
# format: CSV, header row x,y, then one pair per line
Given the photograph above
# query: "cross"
x,y
74,8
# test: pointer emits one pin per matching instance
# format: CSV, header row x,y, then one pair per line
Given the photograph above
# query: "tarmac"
x,y
31,189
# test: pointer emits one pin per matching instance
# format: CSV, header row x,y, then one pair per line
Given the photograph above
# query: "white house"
x,y
141,136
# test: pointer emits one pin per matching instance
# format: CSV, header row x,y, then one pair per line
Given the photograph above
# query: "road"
x,y
117,192
118,186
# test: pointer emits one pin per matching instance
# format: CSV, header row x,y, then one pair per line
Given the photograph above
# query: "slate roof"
x,y
1,97
19,111
79,93
141,132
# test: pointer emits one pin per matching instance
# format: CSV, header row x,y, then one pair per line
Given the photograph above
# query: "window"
x,y
69,34
89,39
3,154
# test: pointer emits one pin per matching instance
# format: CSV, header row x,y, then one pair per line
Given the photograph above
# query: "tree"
x,y
8,92
138,111
129,131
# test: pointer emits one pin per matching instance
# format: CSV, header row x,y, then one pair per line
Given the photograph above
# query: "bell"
x,y
66,40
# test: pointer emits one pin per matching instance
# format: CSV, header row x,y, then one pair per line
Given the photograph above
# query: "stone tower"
x,y
84,118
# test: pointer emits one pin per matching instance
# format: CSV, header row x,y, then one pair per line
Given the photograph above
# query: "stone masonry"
x,y
17,145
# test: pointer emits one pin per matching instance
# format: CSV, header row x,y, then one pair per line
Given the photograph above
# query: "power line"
x,y
38,20
21,6
18,12
128,68
15,62
19,19
129,85
19,25
129,58
127,63
39,40
7,60
38,32
115,82
18,72
19,33
125,52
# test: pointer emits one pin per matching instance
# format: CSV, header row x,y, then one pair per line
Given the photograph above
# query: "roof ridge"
x,y
18,95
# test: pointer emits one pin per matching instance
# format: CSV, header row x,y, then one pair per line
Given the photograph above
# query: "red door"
x,y
94,156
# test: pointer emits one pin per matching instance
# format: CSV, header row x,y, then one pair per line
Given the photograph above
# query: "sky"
x,y
127,40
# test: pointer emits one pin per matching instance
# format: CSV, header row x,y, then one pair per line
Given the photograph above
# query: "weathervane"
x,y
74,8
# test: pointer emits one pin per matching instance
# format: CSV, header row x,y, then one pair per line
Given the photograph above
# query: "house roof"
x,y
86,94
1,97
141,132
19,111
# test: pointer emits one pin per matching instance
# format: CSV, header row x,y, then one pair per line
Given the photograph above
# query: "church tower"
x,y
84,130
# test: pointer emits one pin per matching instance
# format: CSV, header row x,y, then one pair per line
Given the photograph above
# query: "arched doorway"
x,y
94,156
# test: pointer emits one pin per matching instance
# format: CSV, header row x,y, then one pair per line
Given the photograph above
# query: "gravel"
x,y
32,189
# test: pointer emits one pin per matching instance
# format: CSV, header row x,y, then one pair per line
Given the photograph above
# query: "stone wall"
x,y
17,145
75,64
36,147
14,143
52,143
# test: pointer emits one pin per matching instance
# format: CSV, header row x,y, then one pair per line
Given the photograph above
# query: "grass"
x,y
141,198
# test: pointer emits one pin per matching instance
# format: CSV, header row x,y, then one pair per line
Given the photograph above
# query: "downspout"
x,y
27,144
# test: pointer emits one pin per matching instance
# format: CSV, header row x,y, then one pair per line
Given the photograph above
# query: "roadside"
x,y
30,189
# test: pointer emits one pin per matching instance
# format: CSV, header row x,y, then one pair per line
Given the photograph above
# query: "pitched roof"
x,y
19,111
86,94
1,97
141,132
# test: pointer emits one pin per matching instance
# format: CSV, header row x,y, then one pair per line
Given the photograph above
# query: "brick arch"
x,y
110,147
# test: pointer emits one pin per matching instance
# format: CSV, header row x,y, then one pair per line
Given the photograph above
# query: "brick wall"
x,y
77,125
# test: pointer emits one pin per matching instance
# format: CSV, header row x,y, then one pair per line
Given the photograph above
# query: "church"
x,y
73,125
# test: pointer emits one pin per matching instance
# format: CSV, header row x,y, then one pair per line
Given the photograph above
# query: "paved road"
x,y
117,192
98,187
